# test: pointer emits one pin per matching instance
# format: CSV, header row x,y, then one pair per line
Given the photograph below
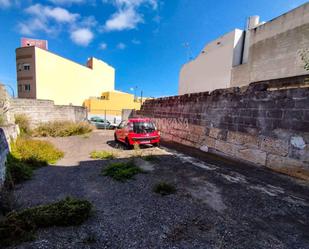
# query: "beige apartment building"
x,y
42,74
263,51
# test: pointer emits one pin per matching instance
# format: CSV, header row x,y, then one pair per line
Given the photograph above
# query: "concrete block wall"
x,y
41,111
274,49
7,133
266,124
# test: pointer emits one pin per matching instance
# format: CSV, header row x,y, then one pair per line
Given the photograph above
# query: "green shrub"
x,y
35,152
61,129
16,171
164,188
121,171
24,124
150,158
102,155
20,226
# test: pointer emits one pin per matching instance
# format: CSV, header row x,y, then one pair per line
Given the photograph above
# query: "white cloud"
x,y
124,19
82,36
35,25
5,3
127,15
136,42
103,46
58,14
134,3
53,20
88,21
121,46
64,2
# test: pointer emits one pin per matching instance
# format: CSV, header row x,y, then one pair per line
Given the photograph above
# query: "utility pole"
x,y
135,89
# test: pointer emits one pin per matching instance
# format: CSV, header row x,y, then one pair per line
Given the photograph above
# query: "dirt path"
x,y
215,206
78,148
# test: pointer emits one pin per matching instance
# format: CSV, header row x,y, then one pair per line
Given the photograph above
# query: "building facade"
x,y
42,74
212,68
264,51
110,105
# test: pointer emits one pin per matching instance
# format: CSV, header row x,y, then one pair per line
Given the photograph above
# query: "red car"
x,y
137,131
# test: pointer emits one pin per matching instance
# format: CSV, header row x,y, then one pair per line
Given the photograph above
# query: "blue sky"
x,y
142,39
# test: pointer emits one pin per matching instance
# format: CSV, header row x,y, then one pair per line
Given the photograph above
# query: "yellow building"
x,y
111,103
45,75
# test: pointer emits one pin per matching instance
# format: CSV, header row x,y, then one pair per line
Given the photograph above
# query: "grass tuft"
x,y
102,155
17,171
121,171
21,226
27,155
24,124
150,158
86,135
164,188
35,152
62,129
137,150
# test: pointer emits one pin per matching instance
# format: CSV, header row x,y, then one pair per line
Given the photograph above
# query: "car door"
x,y
126,129
100,123
119,131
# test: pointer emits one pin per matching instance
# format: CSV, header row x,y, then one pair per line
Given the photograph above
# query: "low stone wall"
x,y
40,111
7,133
266,124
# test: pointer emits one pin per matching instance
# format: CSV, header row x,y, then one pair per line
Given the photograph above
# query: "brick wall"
x,y
40,111
266,124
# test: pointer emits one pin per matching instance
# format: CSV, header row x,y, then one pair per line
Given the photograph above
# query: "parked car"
x,y
100,123
137,131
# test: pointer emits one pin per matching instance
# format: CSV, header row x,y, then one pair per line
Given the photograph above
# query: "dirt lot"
x,y
218,204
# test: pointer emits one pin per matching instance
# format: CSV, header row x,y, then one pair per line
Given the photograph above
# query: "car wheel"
x,y
156,145
115,138
129,146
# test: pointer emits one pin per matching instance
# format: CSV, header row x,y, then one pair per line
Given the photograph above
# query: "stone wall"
x,y
266,124
6,134
40,111
5,116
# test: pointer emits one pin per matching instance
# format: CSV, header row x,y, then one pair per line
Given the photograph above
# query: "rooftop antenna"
x,y
189,52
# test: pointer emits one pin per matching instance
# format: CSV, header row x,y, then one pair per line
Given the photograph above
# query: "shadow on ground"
x,y
122,146
216,205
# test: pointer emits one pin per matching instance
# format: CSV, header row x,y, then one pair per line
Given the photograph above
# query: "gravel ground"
x,y
217,204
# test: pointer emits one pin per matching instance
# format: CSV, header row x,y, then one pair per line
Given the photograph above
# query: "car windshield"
x,y
143,127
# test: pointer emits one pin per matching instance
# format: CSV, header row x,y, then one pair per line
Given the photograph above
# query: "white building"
x,y
212,68
264,51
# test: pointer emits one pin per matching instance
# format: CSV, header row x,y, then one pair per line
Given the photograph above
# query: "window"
x,y
26,67
27,87
19,66
122,124
20,88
